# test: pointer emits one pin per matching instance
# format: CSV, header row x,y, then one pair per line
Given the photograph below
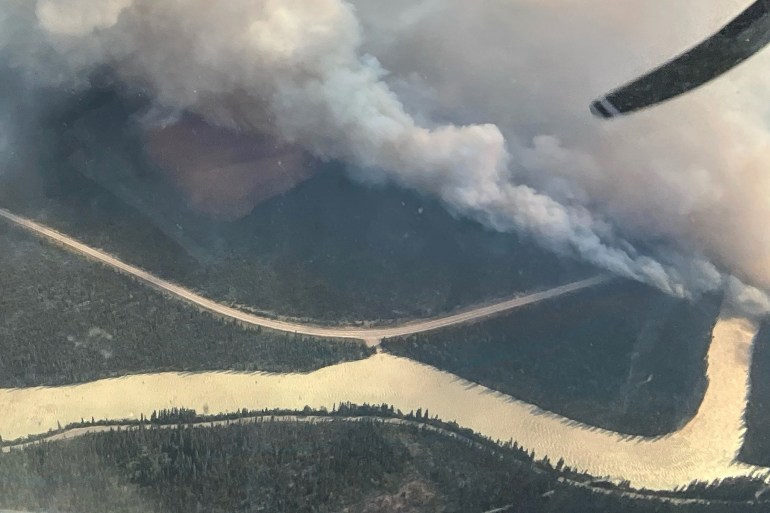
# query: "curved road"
x,y
372,336
705,449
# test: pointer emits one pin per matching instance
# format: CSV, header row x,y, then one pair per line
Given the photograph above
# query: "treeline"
x,y
361,466
756,444
68,320
622,356
731,490
179,416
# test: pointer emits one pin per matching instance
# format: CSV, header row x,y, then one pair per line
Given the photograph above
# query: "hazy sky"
x,y
483,104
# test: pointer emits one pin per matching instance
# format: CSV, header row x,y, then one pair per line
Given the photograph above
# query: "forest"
x,y
68,320
756,445
336,465
332,250
621,356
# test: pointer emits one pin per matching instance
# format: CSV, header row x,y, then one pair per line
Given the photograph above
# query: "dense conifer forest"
x,y
622,356
66,319
756,445
335,465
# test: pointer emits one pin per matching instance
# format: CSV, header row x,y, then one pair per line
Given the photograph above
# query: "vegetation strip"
x,y
386,414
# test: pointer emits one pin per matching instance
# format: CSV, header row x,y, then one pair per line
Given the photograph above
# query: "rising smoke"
x,y
483,104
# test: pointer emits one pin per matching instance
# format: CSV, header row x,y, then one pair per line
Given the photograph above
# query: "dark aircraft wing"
x,y
737,41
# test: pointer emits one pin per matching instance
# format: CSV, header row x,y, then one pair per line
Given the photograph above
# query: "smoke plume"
x,y
483,104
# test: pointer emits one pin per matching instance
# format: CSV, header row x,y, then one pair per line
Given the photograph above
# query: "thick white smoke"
x,y
483,104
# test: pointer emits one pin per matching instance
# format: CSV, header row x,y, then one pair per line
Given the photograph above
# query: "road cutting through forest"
x,y
704,449
372,336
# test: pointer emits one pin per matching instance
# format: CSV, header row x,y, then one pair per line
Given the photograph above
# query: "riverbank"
x,y
704,450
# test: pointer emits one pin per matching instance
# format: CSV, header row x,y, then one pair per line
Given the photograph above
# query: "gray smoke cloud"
x,y
483,104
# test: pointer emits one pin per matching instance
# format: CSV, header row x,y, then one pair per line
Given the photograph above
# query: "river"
x,y
705,449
